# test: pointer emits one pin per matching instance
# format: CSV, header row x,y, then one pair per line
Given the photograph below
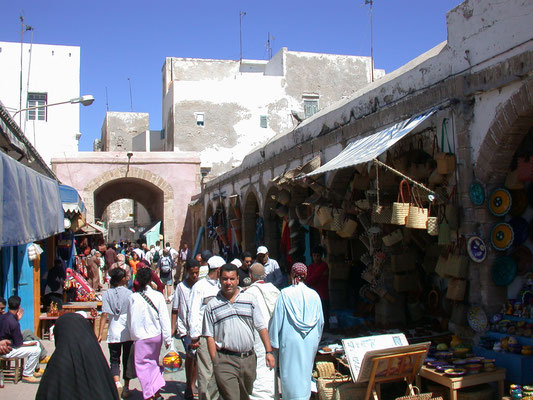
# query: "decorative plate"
x,y
477,193
503,271
520,230
500,202
477,319
455,372
519,202
524,259
476,249
502,236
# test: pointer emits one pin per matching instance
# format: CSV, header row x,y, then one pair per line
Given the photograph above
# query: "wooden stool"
x,y
13,374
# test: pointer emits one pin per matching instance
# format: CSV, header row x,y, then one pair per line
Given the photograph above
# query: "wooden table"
x,y
82,305
454,384
44,321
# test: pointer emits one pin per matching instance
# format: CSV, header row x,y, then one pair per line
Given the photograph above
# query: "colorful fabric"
x,y
299,271
150,374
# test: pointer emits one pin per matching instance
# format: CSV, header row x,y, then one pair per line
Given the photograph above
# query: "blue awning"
x,y
370,147
30,205
71,200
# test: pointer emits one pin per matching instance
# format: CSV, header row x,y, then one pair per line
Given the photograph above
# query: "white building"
x,y
225,108
50,74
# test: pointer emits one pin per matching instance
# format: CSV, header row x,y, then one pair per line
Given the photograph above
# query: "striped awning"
x,y
370,147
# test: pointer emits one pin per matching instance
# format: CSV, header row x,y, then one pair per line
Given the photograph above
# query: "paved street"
x,y
173,390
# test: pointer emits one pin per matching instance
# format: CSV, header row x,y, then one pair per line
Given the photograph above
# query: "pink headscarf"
x,y
299,270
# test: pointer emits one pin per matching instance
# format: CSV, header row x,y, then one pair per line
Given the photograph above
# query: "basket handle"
x,y
400,193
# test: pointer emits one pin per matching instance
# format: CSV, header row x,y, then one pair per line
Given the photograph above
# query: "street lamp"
x,y
86,100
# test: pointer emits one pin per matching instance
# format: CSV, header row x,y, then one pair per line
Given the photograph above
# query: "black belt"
x,y
236,354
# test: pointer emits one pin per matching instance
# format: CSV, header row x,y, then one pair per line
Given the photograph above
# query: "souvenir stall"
x,y
397,225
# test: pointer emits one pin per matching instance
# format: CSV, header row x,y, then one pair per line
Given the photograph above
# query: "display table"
x,y
454,384
44,322
82,305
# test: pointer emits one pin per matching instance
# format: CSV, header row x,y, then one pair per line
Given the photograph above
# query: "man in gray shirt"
x,y
229,323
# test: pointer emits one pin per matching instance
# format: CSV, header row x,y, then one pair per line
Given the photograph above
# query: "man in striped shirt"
x,y
229,323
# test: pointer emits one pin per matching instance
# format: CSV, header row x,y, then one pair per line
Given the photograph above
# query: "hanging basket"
x,y
418,215
324,215
283,197
400,208
348,228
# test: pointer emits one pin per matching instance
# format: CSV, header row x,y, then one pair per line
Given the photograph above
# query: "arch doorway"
x,y
148,197
251,212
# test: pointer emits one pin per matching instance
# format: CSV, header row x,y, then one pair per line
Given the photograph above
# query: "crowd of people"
x,y
239,321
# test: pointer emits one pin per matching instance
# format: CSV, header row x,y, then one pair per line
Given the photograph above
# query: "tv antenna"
x,y
241,15
371,2
270,39
131,96
106,99
23,28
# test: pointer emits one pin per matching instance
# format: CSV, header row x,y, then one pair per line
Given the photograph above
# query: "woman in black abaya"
x,y
78,368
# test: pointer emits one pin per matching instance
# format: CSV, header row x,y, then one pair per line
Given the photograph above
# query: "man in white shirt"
x,y
273,273
139,251
180,323
172,251
202,292
266,295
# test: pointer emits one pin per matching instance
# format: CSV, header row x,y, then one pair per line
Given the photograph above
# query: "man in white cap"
x,y
273,273
266,295
201,293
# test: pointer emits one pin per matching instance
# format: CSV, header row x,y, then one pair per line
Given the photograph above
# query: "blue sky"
x,y
122,39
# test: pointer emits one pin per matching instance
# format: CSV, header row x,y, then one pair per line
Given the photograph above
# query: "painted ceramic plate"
x,y
477,319
477,193
455,372
476,249
502,236
500,202
503,271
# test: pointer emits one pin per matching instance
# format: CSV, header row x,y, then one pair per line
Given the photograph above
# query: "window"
x,y
263,121
34,100
310,104
200,118
162,137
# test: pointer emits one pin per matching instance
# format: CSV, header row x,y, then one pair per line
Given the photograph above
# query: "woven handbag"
x,y
326,386
350,391
432,224
400,208
418,215
324,215
419,396
338,219
445,161
348,228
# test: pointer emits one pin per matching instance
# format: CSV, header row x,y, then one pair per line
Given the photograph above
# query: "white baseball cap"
x,y
215,262
237,263
262,250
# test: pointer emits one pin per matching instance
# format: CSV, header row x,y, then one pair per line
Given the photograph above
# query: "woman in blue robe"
x,y
295,329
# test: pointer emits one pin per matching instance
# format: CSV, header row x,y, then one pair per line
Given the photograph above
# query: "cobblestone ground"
x,y
172,391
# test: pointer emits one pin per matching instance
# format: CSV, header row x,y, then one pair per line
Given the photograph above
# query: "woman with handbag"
x,y
149,326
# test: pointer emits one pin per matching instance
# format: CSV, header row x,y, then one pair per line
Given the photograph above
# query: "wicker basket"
x,y
326,386
325,369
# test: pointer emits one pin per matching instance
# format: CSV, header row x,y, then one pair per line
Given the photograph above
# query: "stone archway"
x,y
512,122
141,185
250,214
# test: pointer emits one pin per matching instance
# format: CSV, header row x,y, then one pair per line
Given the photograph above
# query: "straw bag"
x,y
432,224
419,396
392,238
400,208
338,219
350,391
348,228
418,215
456,289
325,369
445,161
326,386
525,169
324,215
457,263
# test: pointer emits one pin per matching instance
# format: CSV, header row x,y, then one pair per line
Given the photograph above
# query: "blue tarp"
x,y
30,204
71,199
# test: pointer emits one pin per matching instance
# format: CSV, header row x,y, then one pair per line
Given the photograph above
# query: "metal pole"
x,y
21,51
241,14
372,39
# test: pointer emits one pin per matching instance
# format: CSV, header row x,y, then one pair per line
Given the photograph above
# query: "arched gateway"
x,y
162,182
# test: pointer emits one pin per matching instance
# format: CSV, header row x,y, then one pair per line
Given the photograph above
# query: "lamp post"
x,y
86,100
